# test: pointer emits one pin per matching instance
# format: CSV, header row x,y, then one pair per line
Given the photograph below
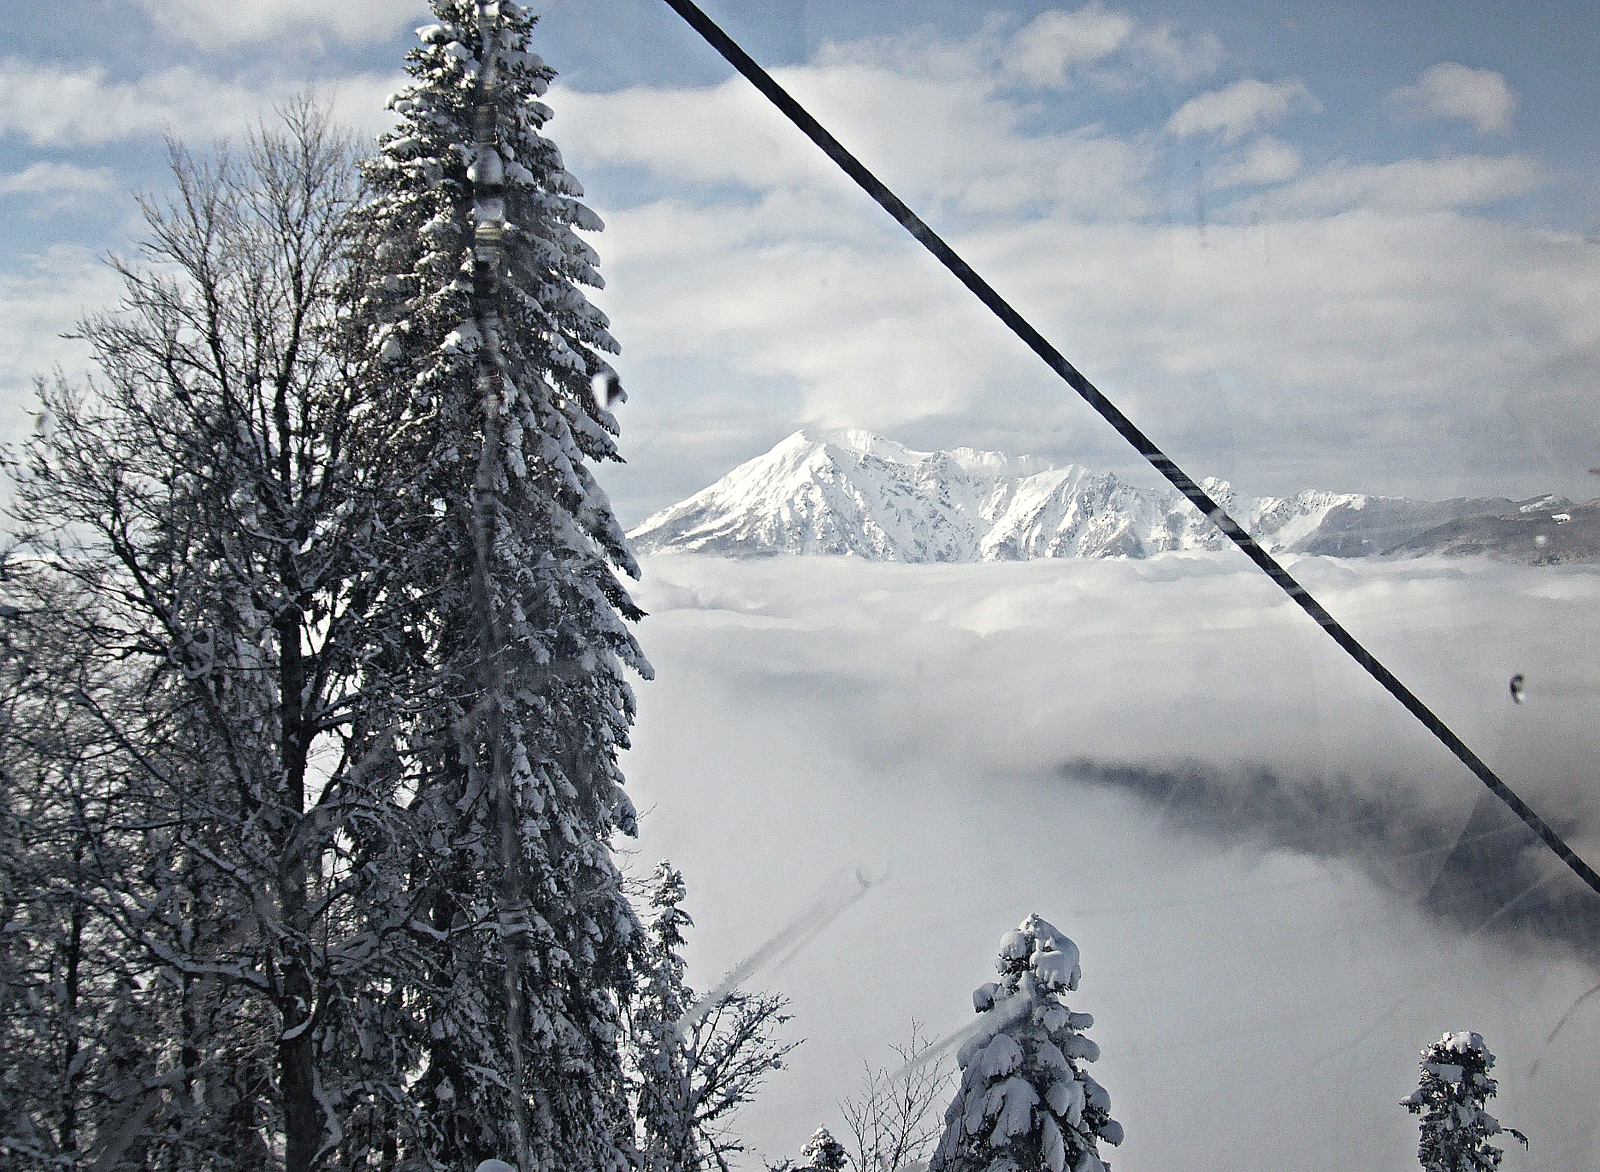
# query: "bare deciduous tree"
x,y
217,556
892,1119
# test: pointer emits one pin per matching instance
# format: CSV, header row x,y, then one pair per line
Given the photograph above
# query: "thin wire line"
x,y
1125,427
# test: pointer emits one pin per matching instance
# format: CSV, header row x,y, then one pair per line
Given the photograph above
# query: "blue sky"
x,y
1344,246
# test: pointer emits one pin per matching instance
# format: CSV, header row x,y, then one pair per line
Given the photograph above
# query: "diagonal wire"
x,y
1125,427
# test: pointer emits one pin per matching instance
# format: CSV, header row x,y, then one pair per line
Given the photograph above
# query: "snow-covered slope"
x,y
852,492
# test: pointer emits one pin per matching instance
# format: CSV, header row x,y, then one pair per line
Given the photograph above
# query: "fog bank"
x,y
1265,947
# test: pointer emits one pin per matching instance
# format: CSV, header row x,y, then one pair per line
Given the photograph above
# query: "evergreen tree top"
x,y
1450,1096
1025,1102
1037,946
823,1153
667,925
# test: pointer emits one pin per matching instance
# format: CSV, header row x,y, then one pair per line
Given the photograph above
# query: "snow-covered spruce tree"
x,y
823,1153
215,566
481,335
1025,1104
663,1103
692,1070
1450,1098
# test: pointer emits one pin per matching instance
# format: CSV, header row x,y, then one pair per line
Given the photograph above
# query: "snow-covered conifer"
x,y
1025,1104
480,333
823,1153
665,1106
1450,1097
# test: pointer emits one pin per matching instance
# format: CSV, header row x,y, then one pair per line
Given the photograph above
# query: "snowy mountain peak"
x,y
974,460
857,493
862,443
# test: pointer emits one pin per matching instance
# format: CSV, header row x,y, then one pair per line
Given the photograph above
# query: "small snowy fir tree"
x,y
1025,1104
695,1066
822,1153
1455,1127
665,1104
477,324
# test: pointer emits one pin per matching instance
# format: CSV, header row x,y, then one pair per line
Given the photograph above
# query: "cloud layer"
x,y
37,306
247,22
53,180
65,107
1241,108
1274,941
1278,298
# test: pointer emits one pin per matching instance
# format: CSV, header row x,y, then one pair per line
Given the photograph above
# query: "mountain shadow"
x,y
1490,876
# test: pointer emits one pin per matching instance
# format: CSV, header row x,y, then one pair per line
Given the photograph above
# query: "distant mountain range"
x,y
852,492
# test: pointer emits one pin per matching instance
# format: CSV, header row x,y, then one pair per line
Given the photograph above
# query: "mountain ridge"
x,y
855,493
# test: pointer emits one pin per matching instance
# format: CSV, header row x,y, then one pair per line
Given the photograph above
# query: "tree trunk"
x,y
488,194
68,1139
302,1118
302,1115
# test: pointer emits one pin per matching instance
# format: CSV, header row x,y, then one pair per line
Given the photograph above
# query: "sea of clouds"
x,y
1281,886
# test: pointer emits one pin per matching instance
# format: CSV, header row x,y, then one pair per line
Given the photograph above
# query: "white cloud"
x,y
53,106
1452,90
1349,308
1053,49
1268,160
923,52
812,714
213,26
56,180
942,145
1180,59
1270,351
1241,108
1413,185
932,118
721,135
38,304
1352,308
1377,343
761,304
1045,50
49,105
